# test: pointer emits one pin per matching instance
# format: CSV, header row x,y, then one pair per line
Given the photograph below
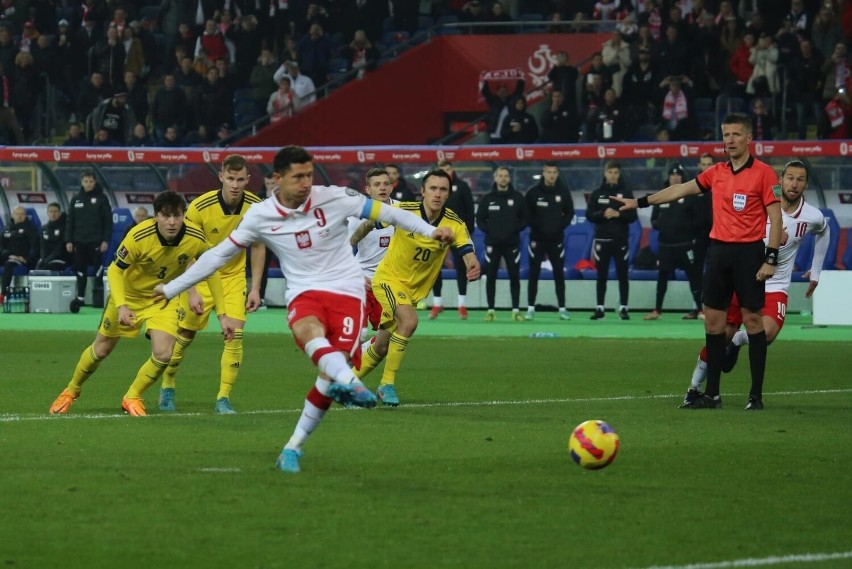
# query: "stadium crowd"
x,y
174,72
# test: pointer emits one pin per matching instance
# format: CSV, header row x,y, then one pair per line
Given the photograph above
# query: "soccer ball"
x,y
593,444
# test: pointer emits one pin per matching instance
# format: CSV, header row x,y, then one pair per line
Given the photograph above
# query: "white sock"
x,y
437,301
462,299
600,307
563,310
622,307
531,310
490,311
740,338
699,374
516,310
310,418
331,363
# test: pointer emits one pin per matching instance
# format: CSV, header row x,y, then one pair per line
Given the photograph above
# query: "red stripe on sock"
x,y
318,400
703,355
320,353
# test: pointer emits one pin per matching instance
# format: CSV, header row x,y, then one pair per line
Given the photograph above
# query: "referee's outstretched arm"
x,y
666,195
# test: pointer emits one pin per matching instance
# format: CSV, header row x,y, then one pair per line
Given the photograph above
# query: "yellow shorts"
x,y
235,303
390,294
154,316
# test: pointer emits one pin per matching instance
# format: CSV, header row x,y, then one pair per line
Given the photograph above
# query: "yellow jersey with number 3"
x,y
414,261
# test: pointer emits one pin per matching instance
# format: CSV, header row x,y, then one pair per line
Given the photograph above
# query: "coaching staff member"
x,y
88,231
745,191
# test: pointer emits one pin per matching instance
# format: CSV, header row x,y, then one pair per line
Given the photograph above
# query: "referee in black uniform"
x,y
550,210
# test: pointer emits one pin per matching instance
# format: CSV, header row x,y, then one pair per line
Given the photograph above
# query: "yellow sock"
x,y
147,376
181,344
396,351
86,366
232,357
369,360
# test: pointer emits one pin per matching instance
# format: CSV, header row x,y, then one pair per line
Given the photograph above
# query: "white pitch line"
x,y
761,561
220,469
11,418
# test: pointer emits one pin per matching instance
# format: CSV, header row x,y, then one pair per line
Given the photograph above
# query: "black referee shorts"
x,y
732,268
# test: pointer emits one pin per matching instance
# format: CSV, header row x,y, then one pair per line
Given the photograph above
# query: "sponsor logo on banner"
x,y
601,152
485,154
57,156
32,197
99,156
519,153
739,202
405,156
361,156
206,156
570,153
441,155
140,198
810,149
320,157
24,155
169,157
684,150
131,156
647,150
844,148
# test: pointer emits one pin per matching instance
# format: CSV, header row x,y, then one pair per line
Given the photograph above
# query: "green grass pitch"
x,y
471,471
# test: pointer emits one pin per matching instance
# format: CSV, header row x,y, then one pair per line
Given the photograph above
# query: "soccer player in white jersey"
x,y
799,218
372,240
306,227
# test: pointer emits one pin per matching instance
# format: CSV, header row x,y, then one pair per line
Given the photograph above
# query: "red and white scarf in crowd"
x,y
674,105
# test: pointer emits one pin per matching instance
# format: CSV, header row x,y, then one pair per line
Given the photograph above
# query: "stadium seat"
x,y
633,240
479,244
578,246
122,220
425,22
32,214
645,133
834,240
847,255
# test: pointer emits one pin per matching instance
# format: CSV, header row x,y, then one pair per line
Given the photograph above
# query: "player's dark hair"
x,y
795,163
706,155
59,207
169,203
498,168
610,164
268,175
439,173
288,156
233,163
373,172
551,164
87,174
741,119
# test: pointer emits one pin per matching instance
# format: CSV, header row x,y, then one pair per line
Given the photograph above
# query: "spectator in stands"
x,y
135,58
140,137
640,86
597,67
462,204
764,76
102,137
835,70
592,99
361,54
673,58
92,92
76,136
676,223
314,54
8,49
185,40
212,42
405,15
108,57
400,191
227,75
247,43
189,81
114,116
800,17
10,129
606,123
677,20
155,55
260,80
740,66
676,115
559,123
787,39
499,106
137,96
87,234
550,209
839,114
169,107
18,246
805,84
730,39
501,215
503,20
25,89
280,105
763,124
29,36
215,105
615,54
628,28
315,14
302,85
520,127
82,42
605,10
563,77
171,138
826,32
472,12
647,41
44,57
201,63
289,52
651,17
54,256
612,229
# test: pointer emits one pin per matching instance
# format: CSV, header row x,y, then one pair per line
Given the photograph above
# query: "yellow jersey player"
x,y
218,213
155,251
405,276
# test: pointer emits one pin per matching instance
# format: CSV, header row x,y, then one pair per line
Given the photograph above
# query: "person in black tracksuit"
x,y
677,222
501,216
461,202
54,256
550,210
401,191
18,246
612,231
87,234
